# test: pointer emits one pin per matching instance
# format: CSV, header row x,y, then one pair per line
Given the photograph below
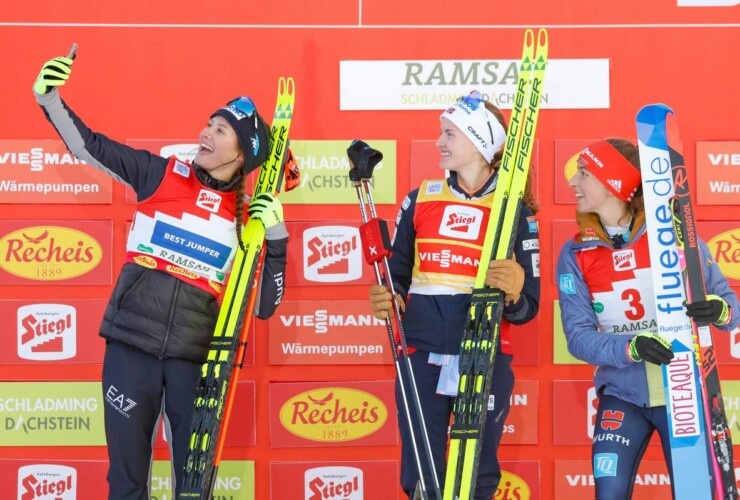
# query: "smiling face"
x,y
219,152
457,152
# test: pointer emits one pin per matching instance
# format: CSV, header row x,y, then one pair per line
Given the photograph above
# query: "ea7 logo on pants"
x,y
119,401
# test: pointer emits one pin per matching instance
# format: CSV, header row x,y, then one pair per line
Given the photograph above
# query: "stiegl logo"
x,y
332,254
208,200
47,482
338,483
461,221
47,332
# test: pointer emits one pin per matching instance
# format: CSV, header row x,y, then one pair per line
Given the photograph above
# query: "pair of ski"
x,y
219,374
701,448
482,328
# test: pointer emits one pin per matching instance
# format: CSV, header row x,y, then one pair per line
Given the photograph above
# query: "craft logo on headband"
x,y
470,115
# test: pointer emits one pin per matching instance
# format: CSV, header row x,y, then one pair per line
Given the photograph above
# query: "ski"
x,y
682,377
217,384
482,328
687,240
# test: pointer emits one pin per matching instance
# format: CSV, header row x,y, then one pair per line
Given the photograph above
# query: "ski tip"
x,y
653,113
542,37
286,86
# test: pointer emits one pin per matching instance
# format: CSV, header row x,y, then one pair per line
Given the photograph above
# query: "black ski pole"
x,y
376,246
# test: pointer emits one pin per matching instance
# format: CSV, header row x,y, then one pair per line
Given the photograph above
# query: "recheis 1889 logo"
x,y
332,254
725,249
47,482
49,253
47,332
333,414
334,483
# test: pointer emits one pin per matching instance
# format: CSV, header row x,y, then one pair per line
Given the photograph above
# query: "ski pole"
x,y
376,247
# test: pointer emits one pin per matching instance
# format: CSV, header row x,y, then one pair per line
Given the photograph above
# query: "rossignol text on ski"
x,y
658,131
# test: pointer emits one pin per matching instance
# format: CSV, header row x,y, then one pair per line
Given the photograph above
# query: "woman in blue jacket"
x,y
607,306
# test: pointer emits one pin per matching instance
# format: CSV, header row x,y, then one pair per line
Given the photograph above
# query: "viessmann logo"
x,y
47,332
47,482
332,254
37,157
49,253
725,248
333,414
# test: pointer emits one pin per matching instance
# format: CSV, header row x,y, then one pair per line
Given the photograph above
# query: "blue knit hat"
x,y
251,130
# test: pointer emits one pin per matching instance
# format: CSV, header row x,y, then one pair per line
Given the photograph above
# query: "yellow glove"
x,y
53,74
381,303
508,276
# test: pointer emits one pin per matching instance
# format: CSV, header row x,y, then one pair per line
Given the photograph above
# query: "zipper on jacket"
x,y
170,317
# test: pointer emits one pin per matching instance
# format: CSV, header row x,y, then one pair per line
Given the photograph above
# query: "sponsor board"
x,y
242,429
718,172
325,174
520,480
59,330
435,84
52,479
522,423
574,480
48,252
560,354
525,341
575,407
425,164
326,253
36,172
51,414
566,151
731,398
327,333
723,240
235,479
330,480
349,414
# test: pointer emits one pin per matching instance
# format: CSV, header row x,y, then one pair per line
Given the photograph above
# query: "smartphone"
x,y
72,51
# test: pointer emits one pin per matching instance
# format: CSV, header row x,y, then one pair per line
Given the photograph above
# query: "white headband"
x,y
470,115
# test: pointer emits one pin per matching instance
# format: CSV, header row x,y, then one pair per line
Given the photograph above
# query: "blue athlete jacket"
x,y
606,298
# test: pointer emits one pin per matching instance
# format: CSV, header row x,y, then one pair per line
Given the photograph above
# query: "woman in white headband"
x,y
436,254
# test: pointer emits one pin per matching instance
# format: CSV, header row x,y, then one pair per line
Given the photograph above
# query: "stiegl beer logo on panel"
x,y
47,332
332,254
47,482
334,483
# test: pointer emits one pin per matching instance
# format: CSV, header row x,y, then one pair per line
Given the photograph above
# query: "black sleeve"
x,y
527,253
401,262
140,169
272,282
